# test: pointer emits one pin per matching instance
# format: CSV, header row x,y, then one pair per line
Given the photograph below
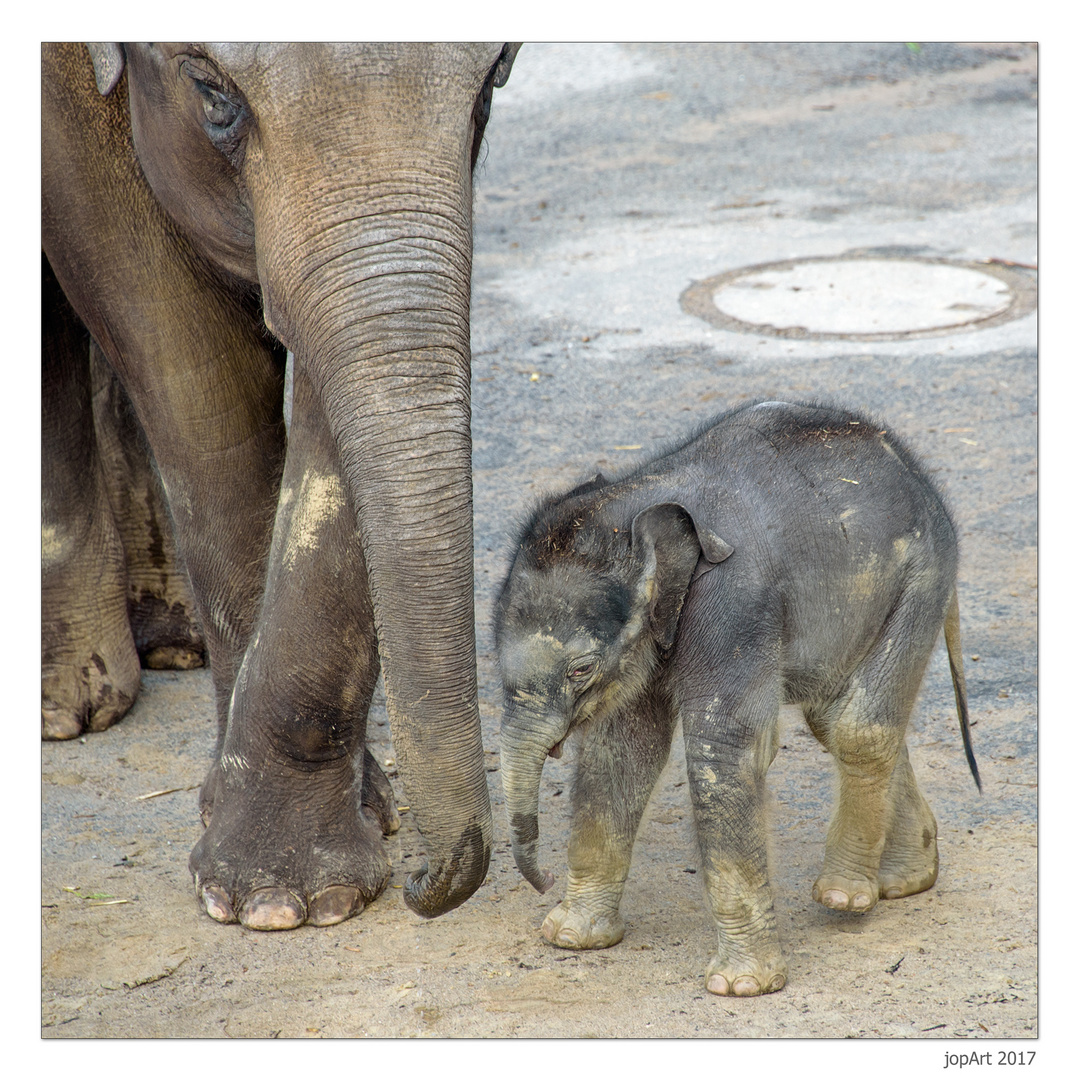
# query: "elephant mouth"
x,y
556,750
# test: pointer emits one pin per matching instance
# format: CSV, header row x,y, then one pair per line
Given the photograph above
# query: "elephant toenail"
x,y
717,984
335,904
217,904
272,909
746,987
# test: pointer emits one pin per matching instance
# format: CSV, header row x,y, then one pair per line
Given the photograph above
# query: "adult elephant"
x,y
205,207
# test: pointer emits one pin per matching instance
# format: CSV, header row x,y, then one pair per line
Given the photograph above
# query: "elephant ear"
x,y
671,546
108,59
505,62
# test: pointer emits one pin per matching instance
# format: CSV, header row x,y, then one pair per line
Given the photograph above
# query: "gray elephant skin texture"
x,y
206,208
786,553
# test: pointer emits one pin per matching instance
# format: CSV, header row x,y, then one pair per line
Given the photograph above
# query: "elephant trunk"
x,y
373,300
524,747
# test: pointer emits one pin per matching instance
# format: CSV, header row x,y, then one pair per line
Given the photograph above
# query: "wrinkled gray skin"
x,y
205,208
786,554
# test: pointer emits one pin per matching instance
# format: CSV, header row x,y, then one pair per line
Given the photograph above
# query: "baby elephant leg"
x,y
619,761
909,863
727,782
882,841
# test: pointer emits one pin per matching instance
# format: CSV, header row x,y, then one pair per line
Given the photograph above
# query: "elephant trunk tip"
x,y
540,880
435,890
524,835
542,886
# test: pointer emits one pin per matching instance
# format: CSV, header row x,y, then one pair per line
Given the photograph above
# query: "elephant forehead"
x,y
531,658
279,64
565,601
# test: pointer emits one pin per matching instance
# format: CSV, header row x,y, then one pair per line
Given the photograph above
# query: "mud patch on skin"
x,y
319,501
470,848
55,546
525,827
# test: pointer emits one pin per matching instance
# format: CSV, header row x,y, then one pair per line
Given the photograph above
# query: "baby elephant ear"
x,y
108,59
670,546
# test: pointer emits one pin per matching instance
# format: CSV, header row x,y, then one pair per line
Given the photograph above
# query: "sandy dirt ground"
x,y
125,950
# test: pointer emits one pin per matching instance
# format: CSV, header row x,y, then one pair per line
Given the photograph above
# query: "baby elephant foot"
x,y
846,894
905,878
729,978
909,863
576,928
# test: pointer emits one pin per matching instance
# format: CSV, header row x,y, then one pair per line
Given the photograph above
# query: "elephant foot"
x,y
909,863
377,797
908,868
173,658
728,978
208,793
571,926
840,893
166,635
301,848
89,665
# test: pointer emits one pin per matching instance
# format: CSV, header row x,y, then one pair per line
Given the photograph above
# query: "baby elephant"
x,y
785,554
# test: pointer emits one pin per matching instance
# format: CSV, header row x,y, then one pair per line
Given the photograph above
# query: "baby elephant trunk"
x,y
523,757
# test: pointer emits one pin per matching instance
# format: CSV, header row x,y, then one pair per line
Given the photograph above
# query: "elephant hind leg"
x,y
161,609
909,863
882,841
89,665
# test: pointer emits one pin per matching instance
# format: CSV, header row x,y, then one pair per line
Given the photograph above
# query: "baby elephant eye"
x,y
580,672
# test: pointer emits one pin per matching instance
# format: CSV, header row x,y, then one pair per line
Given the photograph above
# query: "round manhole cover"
x,y
862,298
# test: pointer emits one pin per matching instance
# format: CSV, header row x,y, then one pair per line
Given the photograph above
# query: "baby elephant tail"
x,y
956,667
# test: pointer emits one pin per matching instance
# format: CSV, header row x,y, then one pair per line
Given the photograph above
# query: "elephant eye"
x,y
218,109
221,105
582,671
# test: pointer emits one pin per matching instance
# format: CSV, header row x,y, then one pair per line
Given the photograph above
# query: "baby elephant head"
x,y
590,608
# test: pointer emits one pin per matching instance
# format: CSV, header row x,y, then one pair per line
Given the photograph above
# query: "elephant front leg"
x,y
619,762
726,765
296,806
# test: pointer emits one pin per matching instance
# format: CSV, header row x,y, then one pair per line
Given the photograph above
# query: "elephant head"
x,y
588,612
336,182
